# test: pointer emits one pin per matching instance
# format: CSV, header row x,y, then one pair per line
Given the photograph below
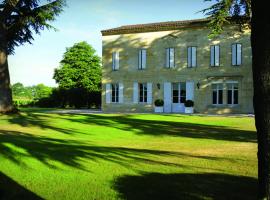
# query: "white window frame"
x,y
115,93
217,89
170,57
115,61
144,92
232,89
142,59
236,54
192,56
179,86
214,55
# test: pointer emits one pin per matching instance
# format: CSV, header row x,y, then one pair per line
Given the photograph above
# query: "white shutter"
x,y
116,61
190,90
135,92
234,54
108,93
212,55
239,54
189,56
121,93
149,93
143,59
217,55
171,57
167,97
140,59
194,56
168,57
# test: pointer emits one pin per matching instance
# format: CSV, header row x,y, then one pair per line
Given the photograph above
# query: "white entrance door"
x,y
167,97
178,97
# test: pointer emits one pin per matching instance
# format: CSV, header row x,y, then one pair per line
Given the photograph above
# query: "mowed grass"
x,y
126,156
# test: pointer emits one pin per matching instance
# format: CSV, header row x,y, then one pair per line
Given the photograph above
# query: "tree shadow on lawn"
x,y
186,186
138,126
17,145
169,128
9,189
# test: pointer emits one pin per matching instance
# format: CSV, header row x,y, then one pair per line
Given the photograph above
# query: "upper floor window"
x,y
232,93
192,56
142,59
170,58
179,92
236,54
214,55
217,93
115,61
143,92
115,93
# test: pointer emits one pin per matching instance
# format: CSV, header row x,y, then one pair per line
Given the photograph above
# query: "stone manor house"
x,y
176,61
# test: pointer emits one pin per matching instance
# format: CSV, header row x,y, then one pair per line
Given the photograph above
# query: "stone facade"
x,y
157,75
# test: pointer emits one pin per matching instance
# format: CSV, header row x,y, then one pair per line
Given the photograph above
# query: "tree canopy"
x,y
80,68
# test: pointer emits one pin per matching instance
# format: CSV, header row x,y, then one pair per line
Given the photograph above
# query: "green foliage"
x,y
189,103
20,18
227,11
159,102
41,91
80,68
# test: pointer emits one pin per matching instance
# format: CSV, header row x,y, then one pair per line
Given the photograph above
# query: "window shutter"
x,y
212,55
116,61
189,57
108,93
190,90
113,61
239,54
121,93
217,55
234,54
135,92
167,57
167,97
139,59
143,59
194,56
171,57
149,93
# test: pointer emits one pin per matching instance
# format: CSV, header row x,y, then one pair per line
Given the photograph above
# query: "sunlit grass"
x,y
104,156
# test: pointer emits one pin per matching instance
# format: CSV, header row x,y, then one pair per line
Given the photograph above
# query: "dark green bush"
x,y
159,102
189,103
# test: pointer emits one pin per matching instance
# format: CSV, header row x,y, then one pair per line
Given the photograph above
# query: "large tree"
x,y
80,68
256,14
19,20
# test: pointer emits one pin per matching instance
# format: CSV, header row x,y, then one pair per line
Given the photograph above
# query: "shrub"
x,y
189,103
159,102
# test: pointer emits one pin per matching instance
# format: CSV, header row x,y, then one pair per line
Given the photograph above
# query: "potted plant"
x,y
189,106
159,105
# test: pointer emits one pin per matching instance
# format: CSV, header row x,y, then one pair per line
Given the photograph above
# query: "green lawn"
x,y
118,156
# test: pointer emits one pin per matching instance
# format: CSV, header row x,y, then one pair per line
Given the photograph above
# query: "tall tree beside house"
x,y
80,70
256,14
19,19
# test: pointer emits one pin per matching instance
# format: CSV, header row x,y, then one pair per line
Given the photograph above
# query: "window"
x,y
179,92
115,93
142,59
214,55
170,57
217,93
142,92
192,56
236,54
115,61
232,93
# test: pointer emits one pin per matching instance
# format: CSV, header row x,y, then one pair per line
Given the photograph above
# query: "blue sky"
x,y
83,20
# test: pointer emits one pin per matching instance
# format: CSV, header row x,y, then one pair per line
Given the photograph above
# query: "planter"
x,y
189,110
158,109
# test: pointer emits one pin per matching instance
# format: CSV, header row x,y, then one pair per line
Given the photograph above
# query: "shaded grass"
x,y
102,156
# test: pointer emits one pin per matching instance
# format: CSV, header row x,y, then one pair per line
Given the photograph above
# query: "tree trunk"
x,y
5,90
260,42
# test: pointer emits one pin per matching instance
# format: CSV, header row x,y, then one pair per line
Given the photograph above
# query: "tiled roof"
x,y
160,26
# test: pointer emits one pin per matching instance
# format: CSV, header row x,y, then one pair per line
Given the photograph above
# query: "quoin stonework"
x,y
176,61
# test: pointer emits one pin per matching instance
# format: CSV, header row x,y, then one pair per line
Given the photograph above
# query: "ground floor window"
x,y
115,93
217,93
179,92
143,92
232,93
